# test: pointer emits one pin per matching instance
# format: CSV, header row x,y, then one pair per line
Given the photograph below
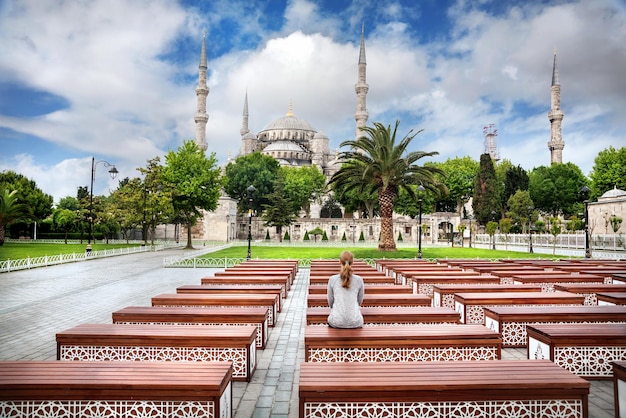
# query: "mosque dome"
x,y
283,146
613,194
287,153
289,127
249,135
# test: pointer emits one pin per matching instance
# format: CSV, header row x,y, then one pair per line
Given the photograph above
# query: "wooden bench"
x,y
424,284
255,316
114,389
590,290
374,279
547,281
619,388
381,299
377,315
258,271
511,321
611,298
441,389
247,280
586,350
320,289
443,294
401,343
470,305
618,278
233,300
136,342
242,289
408,276
241,274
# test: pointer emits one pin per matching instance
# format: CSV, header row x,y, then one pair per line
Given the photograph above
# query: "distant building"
x,y
612,203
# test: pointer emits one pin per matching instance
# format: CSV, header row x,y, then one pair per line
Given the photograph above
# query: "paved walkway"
x,y
36,304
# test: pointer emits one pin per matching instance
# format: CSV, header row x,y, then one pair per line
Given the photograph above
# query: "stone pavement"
x,y
36,304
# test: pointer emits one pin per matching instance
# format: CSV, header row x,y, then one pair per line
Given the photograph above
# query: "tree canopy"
x,y
253,169
555,189
609,171
378,159
194,180
486,192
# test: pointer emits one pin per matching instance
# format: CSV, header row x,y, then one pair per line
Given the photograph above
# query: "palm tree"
x,y
377,160
10,210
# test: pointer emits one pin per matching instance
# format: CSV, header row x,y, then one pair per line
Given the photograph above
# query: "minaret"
x,y
555,116
202,91
361,88
244,126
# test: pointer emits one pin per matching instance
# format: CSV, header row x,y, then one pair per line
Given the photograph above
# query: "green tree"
x,y
331,209
306,236
361,237
315,232
555,230
376,159
10,211
39,204
253,169
399,236
461,228
324,236
279,212
505,228
491,229
515,178
486,193
616,222
195,183
157,198
555,189
343,238
302,186
68,202
64,220
609,171
127,206
521,208
353,199
459,178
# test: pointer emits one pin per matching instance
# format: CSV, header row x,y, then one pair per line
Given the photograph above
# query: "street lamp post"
x,y
251,189
584,194
530,229
493,238
420,189
227,228
470,230
113,172
450,226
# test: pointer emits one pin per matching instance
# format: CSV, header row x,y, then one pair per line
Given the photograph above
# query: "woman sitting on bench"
x,y
345,295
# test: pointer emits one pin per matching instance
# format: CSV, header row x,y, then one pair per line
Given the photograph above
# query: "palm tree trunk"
x,y
385,201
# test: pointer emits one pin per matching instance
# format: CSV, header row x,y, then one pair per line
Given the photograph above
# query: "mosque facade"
x,y
292,141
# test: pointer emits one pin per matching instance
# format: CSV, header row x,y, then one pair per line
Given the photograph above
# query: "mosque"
x,y
292,141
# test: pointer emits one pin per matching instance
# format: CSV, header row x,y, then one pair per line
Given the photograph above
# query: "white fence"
x,y
50,260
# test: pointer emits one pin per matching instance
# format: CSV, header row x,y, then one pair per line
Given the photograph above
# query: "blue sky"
x,y
115,79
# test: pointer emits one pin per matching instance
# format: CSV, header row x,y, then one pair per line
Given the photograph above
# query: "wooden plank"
x,y
391,315
73,380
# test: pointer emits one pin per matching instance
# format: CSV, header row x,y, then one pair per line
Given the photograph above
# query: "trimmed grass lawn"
x,y
311,252
19,250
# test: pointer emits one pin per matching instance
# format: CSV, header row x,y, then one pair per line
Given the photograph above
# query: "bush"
x,y
324,236
267,235
343,238
306,236
399,236
361,237
287,237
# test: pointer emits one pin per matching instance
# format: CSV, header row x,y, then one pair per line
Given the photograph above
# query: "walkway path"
x,y
36,304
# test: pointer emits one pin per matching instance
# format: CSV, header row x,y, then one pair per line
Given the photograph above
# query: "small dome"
x,y
320,135
283,146
613,194
249,135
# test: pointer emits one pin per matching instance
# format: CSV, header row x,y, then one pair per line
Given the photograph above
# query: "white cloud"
x,y
128,105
